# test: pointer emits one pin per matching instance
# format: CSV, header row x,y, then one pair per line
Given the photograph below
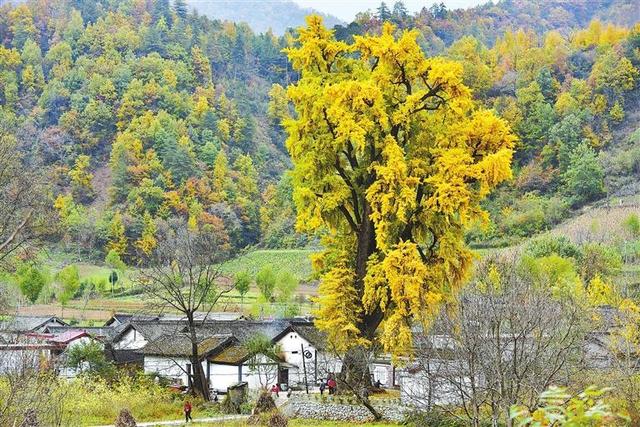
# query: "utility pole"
x,y
304,368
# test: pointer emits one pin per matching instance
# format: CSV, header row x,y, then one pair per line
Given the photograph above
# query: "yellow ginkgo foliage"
x,y
391,157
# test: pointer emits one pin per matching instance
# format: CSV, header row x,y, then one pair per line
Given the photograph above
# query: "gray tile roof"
x,y
179,345
28,323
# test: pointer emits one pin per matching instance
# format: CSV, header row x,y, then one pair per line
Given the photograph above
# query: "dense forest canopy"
x,y
143,110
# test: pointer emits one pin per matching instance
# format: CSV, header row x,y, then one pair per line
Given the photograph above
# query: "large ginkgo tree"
x,y
392,158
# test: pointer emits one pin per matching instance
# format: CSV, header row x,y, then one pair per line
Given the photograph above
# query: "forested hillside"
x,y
141,111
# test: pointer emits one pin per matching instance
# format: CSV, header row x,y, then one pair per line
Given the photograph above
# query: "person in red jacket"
x,y
332,385
187,412
275,389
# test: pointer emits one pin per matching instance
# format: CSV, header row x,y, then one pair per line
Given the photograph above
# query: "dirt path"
x,y
195,421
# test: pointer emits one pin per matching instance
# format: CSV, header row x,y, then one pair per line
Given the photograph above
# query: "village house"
x,y
23,324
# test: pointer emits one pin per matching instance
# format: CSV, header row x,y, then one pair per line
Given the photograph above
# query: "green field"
x,y
102,304
294,261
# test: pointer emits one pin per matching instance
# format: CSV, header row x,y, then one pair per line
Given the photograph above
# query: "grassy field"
x,y
294,261
99,308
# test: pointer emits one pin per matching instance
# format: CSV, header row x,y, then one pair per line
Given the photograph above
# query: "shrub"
x,y
558,407
630,251
549,245
526,218
632,225
599,260
432,418
95,401
91,354
277,419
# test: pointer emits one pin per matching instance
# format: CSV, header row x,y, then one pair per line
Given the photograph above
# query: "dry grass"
x,y
604,224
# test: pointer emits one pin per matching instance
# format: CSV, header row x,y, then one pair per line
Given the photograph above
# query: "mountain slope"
x,y
277,15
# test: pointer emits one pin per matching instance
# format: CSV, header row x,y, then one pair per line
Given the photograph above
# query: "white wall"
x,y
416,389
222,376
382,372
167,367
17,360
132,340
325,363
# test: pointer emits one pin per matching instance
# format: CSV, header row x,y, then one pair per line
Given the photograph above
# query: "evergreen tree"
x,y
180,6
161,10
384,14
400,12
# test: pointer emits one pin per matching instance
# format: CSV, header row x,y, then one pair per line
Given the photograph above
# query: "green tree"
x,y
113,260
286,286
69,280
180,6
384,14
31,279
257,346
584,178
242,284
266,281
89,355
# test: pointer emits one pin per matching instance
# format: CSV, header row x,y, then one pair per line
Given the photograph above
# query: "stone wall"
x,y
302,407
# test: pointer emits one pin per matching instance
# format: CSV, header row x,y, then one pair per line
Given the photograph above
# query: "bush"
x,y
549,245
632,225
277,419
95,401
432,419
599,260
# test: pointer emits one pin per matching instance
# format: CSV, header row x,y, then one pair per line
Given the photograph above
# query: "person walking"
x,y
323,385
331,383
187,412
275,389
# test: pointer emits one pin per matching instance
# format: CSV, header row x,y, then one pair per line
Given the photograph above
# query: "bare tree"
x,y
182,276
507,342
31,393
618,346
25,210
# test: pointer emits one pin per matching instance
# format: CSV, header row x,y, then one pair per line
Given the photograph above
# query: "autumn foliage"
x,y
392,157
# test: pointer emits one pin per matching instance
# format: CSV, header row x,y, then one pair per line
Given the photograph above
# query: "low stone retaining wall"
x,y
334,411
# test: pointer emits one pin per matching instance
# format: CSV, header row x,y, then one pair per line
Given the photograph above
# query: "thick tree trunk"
x,y
200,385
366,246
356,377
355,373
